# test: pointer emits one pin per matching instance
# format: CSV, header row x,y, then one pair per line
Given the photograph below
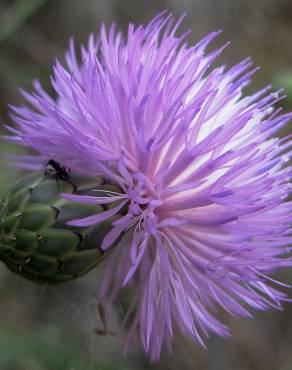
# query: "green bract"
x,y
35,240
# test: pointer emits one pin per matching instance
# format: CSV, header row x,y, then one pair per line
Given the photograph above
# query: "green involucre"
x,y
35,240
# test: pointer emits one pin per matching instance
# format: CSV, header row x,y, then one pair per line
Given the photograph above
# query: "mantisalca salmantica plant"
x,y
203,179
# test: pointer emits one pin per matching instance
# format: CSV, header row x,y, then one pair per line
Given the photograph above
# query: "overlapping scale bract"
x,y
35,240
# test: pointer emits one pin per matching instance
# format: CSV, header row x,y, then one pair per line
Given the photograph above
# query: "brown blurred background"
x,y
52,328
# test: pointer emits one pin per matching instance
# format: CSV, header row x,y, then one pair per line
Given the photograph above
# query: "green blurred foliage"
x,y
43,350
284,80
16,15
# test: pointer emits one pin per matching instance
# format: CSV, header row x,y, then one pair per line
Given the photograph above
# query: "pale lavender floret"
x,y
203,176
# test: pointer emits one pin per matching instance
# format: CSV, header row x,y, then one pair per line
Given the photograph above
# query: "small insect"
x,y
102,315
60,172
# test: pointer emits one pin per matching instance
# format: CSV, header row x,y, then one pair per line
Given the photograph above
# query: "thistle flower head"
x,y
203,178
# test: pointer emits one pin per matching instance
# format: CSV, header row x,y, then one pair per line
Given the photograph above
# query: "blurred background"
x,y
53,328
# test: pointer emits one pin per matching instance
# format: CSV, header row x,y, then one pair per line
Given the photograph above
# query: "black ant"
x,y
102,315
60,172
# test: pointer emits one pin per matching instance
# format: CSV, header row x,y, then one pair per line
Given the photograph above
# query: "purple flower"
x,y
203,177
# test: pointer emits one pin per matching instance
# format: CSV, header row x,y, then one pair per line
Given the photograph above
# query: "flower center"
x,y
144,201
